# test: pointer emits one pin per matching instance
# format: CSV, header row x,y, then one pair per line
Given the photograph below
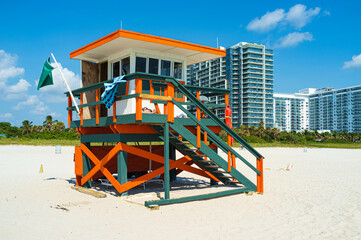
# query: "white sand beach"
x,y
319,198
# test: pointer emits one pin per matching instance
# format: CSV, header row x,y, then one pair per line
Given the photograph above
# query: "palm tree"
x,y
27,127
49,122
59,126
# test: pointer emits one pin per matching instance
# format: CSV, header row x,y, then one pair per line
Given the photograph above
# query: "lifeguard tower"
x,y
154,70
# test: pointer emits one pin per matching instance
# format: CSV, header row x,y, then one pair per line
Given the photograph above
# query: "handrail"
x,y
199,104
186,91
214,137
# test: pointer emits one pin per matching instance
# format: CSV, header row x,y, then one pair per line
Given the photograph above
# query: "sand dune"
x,y
319,198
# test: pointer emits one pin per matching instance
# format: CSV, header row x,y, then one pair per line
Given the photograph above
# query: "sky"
x,y
316,43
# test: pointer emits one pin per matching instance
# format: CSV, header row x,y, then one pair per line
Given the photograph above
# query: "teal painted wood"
x,y
166,160
122,169
213,182
172,155
197,197
86,167
214,138
185,150
199,104
213,156
116,137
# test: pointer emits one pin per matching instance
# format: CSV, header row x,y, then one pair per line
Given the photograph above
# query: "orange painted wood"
x,y
70,112
78,162
130,128
138,100
234,161
115,112
226,99
95,160
151,89
81,110
157,108
205,141
260,177
170,91
97,106
198,113
147,38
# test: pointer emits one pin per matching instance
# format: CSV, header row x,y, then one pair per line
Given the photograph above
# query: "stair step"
x,y
182,143
220,171
198,155
209,161
224,176
191,149
212,166
232,181
173,137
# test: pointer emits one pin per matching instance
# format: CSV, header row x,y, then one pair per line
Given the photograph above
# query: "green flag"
x,y
46,77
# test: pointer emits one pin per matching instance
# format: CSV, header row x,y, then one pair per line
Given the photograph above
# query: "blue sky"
x,y
316,43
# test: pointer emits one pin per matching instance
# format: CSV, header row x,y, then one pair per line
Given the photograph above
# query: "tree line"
x,y
50,129
271,135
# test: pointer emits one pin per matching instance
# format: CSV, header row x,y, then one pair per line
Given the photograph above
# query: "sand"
x,y
319,198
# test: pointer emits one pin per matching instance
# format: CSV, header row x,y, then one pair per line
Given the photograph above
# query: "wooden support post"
x,y
198,126
81,110
138,100
166,105
170,91
166,161
97,106
260,177
122,169
70,112
86,166
229,153
172,155
205,139
115,111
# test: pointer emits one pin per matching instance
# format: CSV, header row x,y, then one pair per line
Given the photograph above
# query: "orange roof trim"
x,y
147,38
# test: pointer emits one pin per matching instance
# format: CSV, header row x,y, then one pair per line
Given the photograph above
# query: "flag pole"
x,y
67,85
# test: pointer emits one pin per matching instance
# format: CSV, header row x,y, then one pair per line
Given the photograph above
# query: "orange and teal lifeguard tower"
x,y
154,70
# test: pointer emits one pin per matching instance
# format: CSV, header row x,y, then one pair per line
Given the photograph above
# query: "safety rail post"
x,y
166,105
170,104
205,140
198,126
81,110
260,176
115,111
70,112
229,141
97,106
138,100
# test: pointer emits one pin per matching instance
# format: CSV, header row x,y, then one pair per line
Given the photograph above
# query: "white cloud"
x,y
267,22
21,87
354,63
34,105
293,39
6,116
8,67
298,16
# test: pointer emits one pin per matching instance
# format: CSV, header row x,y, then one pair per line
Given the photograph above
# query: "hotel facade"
x,y
247,70
324,109
336,110
291,111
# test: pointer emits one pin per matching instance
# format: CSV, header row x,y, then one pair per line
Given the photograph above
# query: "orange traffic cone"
x,y
41,169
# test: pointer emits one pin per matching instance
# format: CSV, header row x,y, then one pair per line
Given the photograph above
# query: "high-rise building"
x,y
291,111
336,110
247,70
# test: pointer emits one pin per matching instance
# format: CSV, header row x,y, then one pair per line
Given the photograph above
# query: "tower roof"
x,y
122,39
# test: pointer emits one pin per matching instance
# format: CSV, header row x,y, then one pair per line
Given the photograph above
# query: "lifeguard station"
x,y
154,70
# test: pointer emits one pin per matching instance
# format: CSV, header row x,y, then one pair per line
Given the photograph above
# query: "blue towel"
x,y
108,95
